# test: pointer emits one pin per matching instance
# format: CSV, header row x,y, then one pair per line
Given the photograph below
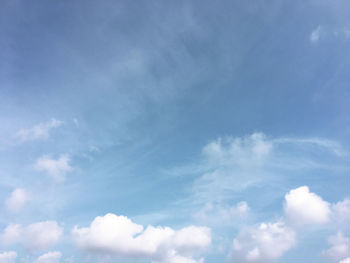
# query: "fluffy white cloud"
x,y
263,243
54,168
346,260
17,199
341,211
50,257
8,257
304,207
120,236
340,247
213,213
37,236
38,132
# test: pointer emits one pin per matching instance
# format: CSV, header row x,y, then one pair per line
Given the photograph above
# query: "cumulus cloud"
x,y
36,236
50,257
263,243
341,211
340,247
304,207
56,168
18,198
8,257
118,235
38,132
214,213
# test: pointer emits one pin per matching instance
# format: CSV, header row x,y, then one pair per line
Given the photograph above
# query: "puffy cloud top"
x,y
56,168
262,243
120,236
304,207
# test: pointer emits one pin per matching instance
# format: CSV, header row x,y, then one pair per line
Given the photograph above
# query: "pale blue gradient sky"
x,y
142,87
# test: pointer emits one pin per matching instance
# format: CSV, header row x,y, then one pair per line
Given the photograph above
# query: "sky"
x,y
188,131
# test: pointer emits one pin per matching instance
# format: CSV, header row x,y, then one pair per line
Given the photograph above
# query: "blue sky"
x,y
174,131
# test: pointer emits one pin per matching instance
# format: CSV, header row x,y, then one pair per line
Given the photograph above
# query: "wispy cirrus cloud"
x,y
40,131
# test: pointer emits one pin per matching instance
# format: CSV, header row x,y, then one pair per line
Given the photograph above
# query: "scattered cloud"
x,y
56,168
8,257
18,198
38,132
50,257
216,213
341,212
118,235
316,34
340,247
263,243
303,207
232,164
36,236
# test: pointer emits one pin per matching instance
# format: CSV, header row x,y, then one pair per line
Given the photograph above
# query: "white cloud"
x,y
118,235
232,164
316,34
36,236
54,168
8,257
263,243
50,257
340,247
341,211
346,260
38,132
303,207
18,198
213,213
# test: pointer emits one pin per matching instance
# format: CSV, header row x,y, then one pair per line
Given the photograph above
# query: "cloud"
x,y
315,35
36,236
216,213
54,168
38,132
340,247
118,235
346,260
232,164
303,207
341,211
50,257
18,198
8,257
262,243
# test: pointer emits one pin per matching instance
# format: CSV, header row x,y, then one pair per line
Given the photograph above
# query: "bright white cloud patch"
x,y
38,132
263,243
50,257
37,236
8,257
346,260
56,168
340,247
304,207
118,235
18,198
